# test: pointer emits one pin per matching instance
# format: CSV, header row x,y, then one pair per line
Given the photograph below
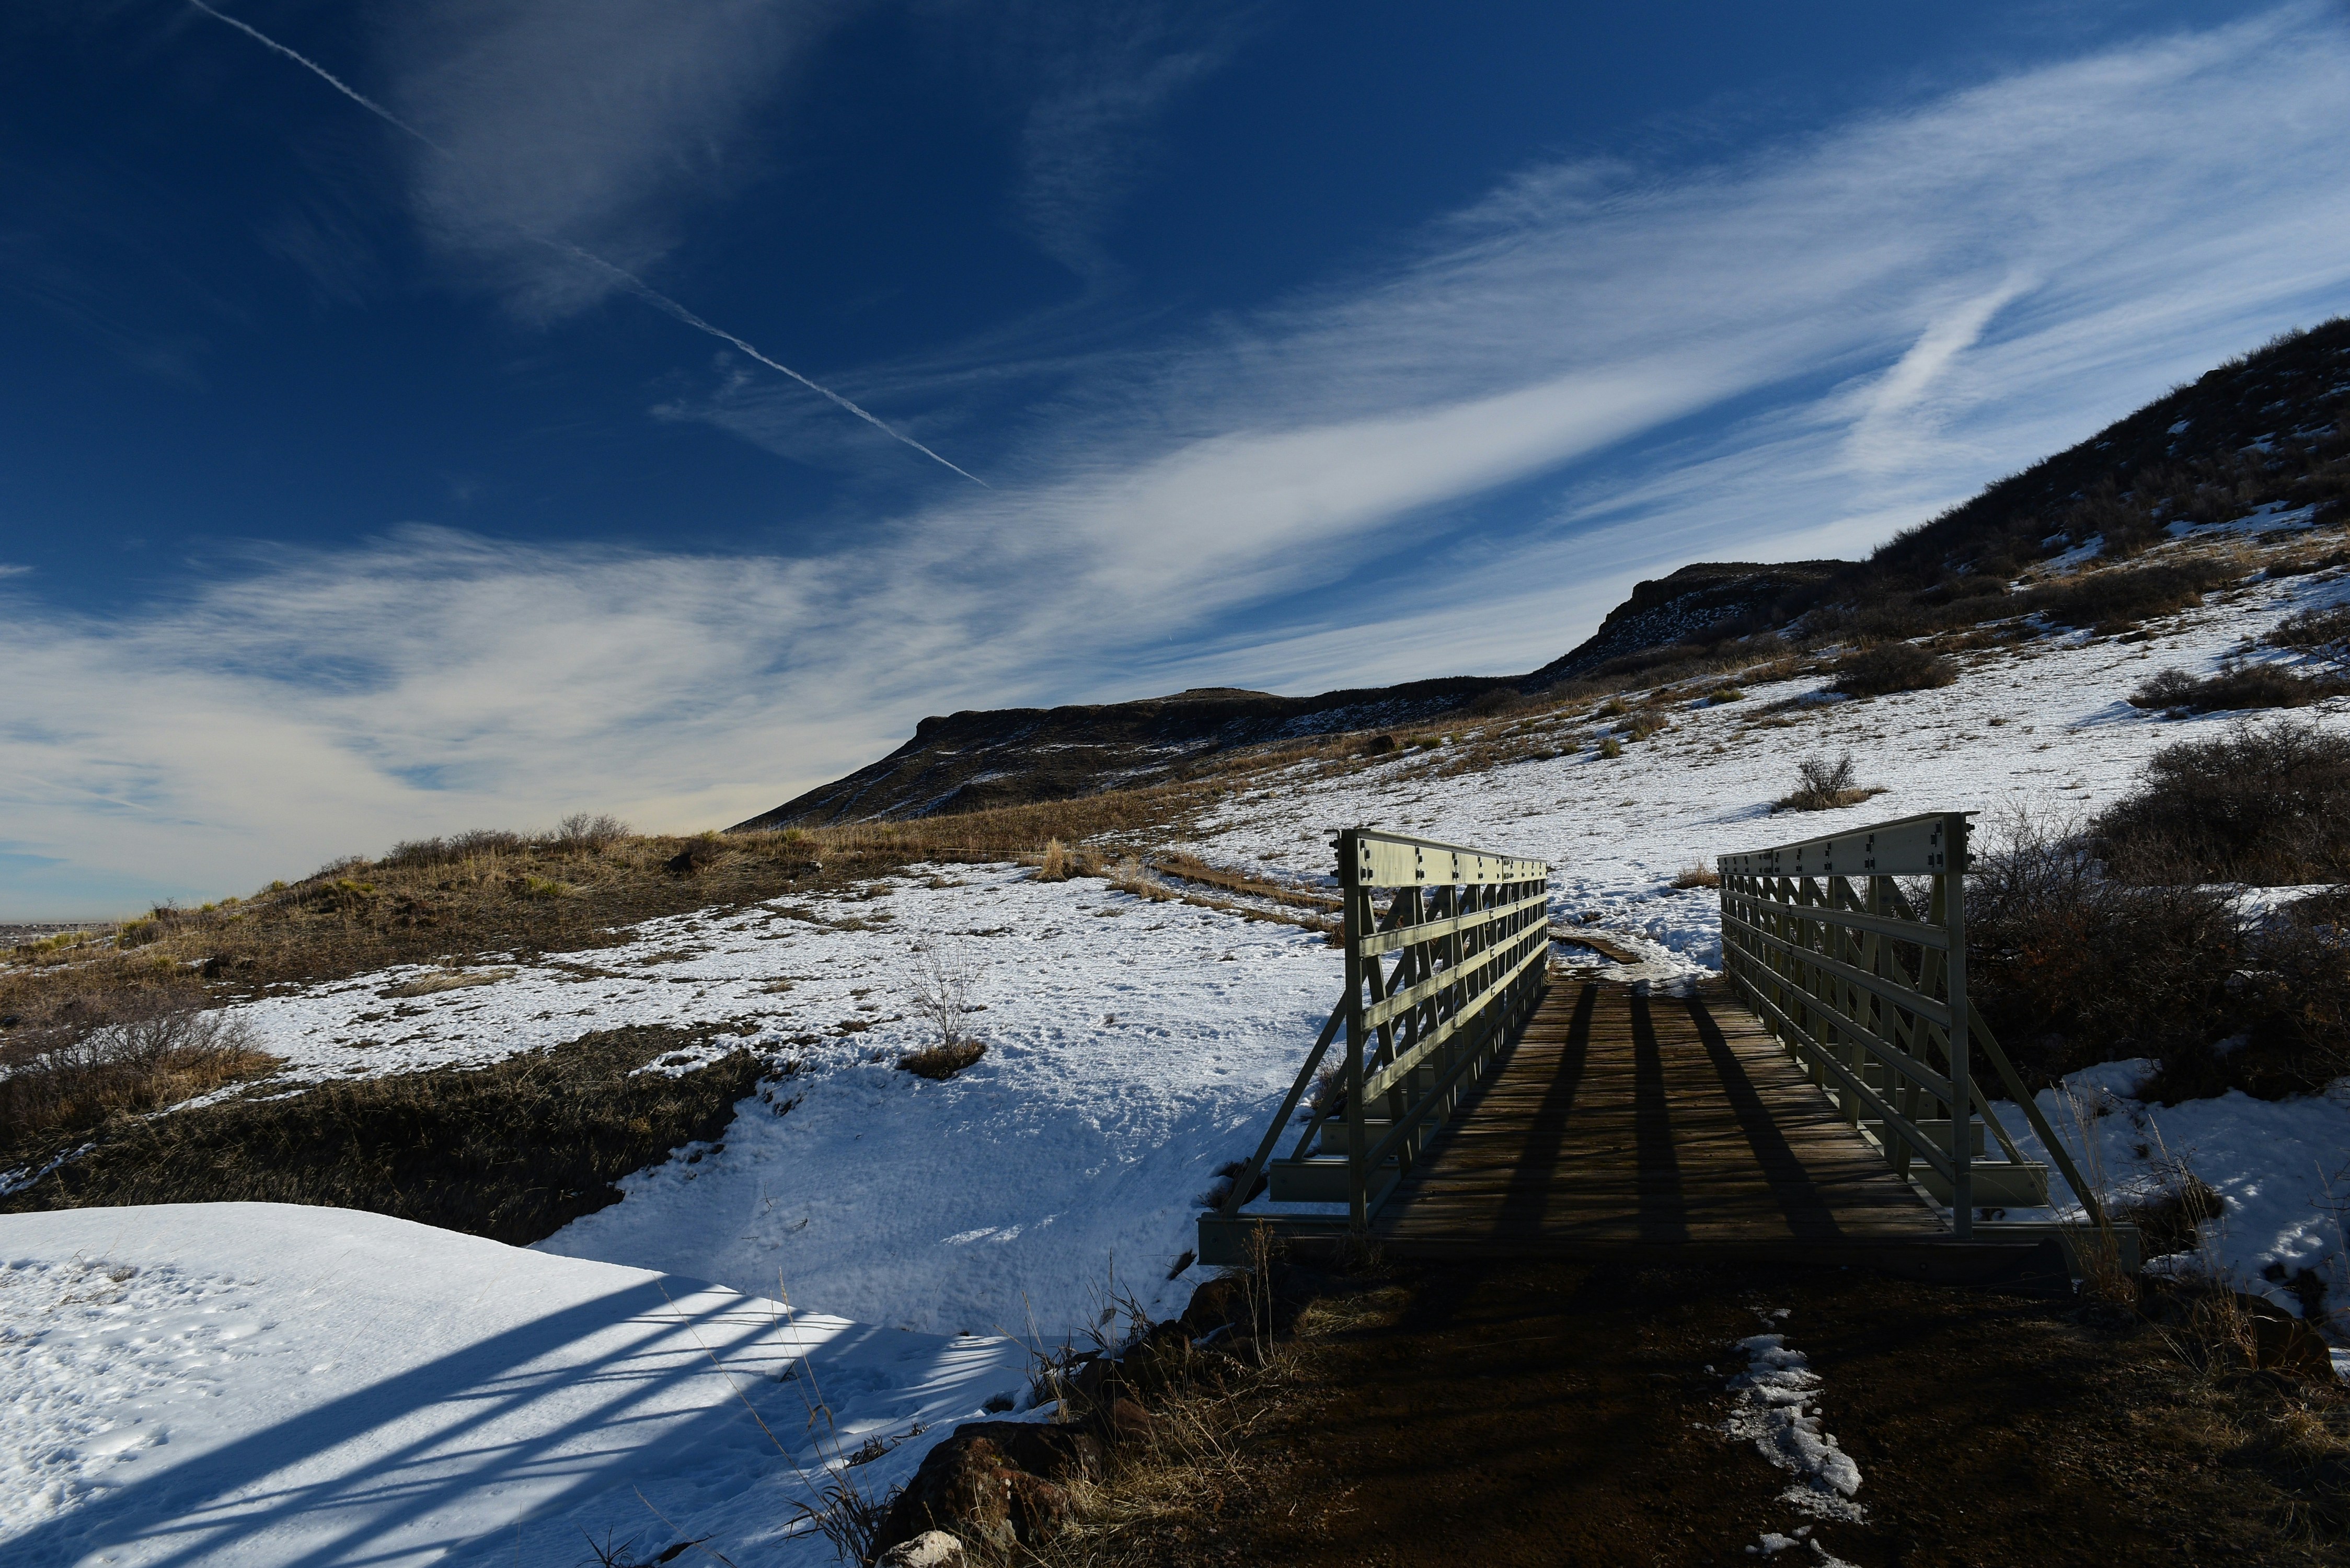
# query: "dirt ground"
x,y
1567,1413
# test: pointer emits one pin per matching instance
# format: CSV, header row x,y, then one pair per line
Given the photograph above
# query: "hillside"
x,y
2271,430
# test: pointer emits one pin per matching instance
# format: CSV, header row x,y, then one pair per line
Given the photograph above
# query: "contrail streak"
x,y
627,279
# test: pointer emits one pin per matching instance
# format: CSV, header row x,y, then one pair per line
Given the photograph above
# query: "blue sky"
x,y
348,492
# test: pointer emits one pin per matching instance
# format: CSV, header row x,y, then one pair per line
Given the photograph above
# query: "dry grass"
x,y
1698,874
512,1151
82,1065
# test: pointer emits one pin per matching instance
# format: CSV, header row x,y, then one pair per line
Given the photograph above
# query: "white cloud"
x,y
1792,354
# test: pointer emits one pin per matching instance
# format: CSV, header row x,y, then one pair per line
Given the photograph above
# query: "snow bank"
x,y
262,1383
2281,1167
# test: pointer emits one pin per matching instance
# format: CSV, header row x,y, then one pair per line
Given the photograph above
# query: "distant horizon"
x,y
438,415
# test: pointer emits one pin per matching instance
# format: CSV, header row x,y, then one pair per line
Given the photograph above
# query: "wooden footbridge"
x,y
1469,1095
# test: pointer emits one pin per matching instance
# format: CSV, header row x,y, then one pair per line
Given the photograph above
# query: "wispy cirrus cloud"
x,y
1596,374
594,122
1102,74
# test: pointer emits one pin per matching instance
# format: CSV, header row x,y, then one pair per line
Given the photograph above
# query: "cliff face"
x,y
1699,604
973,760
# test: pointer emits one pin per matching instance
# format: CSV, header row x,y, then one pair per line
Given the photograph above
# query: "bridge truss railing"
x,y
1868,991
1434,985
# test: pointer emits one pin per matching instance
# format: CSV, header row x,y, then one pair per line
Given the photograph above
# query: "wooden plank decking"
x,y
1622,1122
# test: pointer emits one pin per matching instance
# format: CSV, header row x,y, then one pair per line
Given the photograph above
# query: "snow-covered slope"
x,y
252,1383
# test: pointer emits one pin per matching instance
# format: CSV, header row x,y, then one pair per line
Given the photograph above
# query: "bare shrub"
x,y
2263,805
940,990
1219,1191
512,1151
138,1054
2236,688
1698,874
1823,785
480,843
2167,1219
940,1062
2070,967
1892,666
582,834
2325,631
2120,596
1609,746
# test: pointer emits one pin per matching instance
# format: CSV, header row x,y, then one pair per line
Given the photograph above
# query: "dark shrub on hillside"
x,y
2069,968
2237,687
1892,666
2314,631
1973,586
2269,805
2115,595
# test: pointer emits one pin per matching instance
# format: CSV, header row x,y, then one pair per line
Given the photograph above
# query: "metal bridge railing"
x,y
1867,991
1433,987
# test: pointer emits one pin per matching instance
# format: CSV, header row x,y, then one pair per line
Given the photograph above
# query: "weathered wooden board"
x,y
1632,1121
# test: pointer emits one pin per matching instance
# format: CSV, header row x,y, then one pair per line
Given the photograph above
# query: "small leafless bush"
x,y
2071,967
942,991
940,1062
1823,785
1892,666
2167,1220
2325,631
1609,746
1220,1190
480,843
583,833
1698,874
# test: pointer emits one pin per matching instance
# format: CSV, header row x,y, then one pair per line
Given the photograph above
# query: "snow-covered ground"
x,y
259,1383
253,1385
1132,1047
2045,725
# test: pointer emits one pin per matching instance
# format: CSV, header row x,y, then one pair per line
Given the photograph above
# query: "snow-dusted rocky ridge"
x,y
269,1386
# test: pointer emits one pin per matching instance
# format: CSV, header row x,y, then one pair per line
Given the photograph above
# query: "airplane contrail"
x,y
629,280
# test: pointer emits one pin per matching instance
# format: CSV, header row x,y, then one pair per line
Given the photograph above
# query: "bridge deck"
x,y
1627,1122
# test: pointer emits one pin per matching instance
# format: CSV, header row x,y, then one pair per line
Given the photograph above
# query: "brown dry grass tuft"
x,y
1698,874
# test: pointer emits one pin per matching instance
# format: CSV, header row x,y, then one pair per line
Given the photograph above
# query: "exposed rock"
x,y
932,1549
